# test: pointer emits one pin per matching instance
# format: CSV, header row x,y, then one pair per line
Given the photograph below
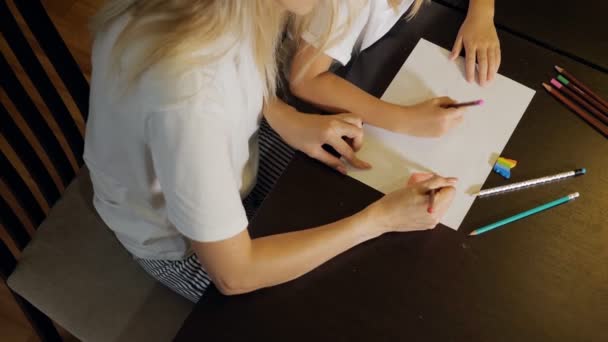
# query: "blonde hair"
x,y
175,29
416,5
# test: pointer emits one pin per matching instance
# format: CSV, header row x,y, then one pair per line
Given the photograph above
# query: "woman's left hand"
x,y
480,40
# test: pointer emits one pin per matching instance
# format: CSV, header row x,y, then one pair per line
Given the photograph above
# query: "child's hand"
x,y
478,36
430,118
309,132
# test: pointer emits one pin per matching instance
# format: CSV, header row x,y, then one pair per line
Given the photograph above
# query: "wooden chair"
x,y
73,270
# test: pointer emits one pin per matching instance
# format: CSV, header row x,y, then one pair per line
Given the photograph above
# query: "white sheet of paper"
x,y
468,151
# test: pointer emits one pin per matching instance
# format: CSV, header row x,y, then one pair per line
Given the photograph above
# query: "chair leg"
x,y
43,325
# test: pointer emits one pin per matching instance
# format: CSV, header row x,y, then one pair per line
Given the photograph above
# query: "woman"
x,y
178,91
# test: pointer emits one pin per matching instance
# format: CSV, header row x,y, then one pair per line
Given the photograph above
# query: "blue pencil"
x,y
525,214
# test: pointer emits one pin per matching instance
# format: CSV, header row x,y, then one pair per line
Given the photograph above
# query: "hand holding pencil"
x,y
407,209
430,118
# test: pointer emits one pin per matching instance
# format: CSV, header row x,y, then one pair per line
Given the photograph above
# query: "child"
x,y
312,81
177,92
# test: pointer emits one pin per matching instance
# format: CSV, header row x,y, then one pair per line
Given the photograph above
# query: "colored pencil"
x,y
581,85
603,117
465,104
581,93
532,182
431,201
524,214
578,110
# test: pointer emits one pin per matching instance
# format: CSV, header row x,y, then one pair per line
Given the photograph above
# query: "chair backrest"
x,y
43,107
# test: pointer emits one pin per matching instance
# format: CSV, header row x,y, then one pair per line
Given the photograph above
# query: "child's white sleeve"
x,y
344,34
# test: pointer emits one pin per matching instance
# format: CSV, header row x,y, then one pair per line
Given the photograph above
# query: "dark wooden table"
x,y
576,28
544,278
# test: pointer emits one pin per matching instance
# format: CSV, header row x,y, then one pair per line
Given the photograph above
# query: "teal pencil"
x,y
525,214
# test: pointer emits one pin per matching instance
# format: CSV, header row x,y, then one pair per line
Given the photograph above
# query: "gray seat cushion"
x,y
77,273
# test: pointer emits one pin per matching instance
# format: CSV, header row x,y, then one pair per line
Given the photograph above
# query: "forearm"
x,y
276,259
481,7
336,94
277,112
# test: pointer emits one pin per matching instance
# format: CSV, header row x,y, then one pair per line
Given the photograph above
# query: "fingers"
x,y
418,177
330,160
488,62
348,153
339,128
445,101
357,141
492,67
456,48
351,119
342,128
443,199
437,182
497,58
482,62
445,117
470,55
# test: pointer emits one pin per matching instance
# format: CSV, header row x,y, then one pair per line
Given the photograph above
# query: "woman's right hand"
x,y
405,210
430,118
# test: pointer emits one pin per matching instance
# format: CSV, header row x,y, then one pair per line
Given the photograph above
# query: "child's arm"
x,y
308,133
479,38
314,83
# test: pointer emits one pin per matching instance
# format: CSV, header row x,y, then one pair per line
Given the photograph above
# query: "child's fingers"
x,y
456,48
495,57
445,101
456,112
482,62
458,120
492,67
470,55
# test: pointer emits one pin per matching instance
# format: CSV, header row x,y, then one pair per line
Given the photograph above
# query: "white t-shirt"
x,y
374,18
171,160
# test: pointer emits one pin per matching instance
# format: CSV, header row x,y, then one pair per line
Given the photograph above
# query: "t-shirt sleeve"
x,y
344,32
190,153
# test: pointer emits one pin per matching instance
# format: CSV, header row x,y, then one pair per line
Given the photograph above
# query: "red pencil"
x,y
431,201
581,93
580,101
465,104
586,116
586,89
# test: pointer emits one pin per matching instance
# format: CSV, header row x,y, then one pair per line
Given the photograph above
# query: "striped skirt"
x,y
187,277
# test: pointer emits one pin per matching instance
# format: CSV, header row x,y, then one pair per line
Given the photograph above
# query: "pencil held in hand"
x,y
431,200
465,104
